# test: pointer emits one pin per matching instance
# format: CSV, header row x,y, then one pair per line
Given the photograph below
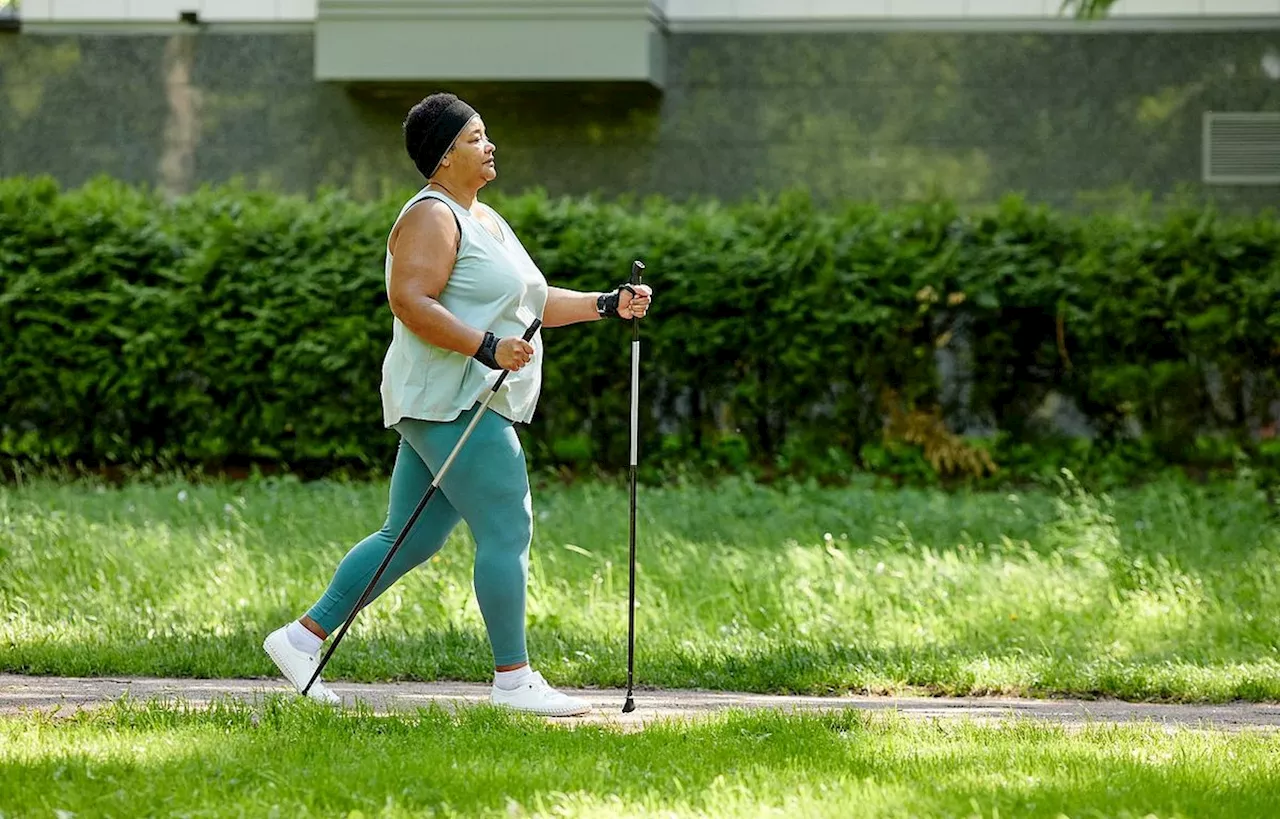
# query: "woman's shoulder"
x,y
427,210
429,216
430,199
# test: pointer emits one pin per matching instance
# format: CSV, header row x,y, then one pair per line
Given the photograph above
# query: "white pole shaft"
x,y
635,398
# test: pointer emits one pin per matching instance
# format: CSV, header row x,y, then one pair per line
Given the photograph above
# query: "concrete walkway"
x,y
67,695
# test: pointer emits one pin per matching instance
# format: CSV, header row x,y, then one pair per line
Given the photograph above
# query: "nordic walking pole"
x,y
422,504
630,705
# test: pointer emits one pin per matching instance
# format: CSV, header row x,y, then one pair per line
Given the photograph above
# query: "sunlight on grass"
x,y
1168,591
293,758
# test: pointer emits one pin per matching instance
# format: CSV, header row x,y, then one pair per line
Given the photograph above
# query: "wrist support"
x,y
488,352
607,303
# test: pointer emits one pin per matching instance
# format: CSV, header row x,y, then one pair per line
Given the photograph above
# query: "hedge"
x,y
233,326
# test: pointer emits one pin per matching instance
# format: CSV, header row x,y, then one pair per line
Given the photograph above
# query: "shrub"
x,y
233,326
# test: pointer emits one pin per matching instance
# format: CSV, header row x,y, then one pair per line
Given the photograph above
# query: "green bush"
x,y
232,326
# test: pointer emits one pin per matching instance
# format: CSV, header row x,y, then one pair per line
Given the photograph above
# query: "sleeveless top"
x,y
494,286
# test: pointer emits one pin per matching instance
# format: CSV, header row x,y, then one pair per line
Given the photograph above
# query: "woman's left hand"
x,y
636,306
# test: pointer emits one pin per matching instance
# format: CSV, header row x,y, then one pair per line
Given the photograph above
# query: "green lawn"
x,y
1169,592
295,758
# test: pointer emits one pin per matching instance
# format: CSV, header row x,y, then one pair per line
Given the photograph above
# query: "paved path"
x,y
67,695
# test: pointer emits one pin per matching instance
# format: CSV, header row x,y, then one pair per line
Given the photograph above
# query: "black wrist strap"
x,y
488,352
607,303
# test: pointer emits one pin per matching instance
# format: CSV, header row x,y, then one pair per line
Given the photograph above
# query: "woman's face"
x,y
472,154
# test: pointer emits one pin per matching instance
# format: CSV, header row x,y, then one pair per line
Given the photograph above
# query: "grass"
x,y
1169,591
295,759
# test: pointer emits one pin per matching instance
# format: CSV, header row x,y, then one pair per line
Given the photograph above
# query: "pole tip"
x,y
629,706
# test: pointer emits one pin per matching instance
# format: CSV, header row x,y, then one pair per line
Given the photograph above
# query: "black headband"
x,y
441,136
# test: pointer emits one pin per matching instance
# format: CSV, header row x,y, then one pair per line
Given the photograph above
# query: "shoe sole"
x,y
575,712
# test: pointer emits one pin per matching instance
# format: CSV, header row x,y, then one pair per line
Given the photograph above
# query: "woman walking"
x,y
462,290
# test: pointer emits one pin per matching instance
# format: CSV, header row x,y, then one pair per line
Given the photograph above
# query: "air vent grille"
x,y
1242,148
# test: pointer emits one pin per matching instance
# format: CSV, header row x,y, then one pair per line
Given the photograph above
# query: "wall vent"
x,y
1241,148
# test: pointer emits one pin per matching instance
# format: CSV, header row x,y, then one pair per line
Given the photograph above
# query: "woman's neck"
x,y
465,197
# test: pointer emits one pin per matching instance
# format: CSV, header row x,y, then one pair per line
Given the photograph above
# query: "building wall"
x,y
677,11
742,10
1066,118
168,10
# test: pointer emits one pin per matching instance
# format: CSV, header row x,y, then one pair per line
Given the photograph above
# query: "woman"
x,y
462,290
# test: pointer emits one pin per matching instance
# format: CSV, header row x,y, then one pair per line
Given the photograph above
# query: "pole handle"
x,y
637,267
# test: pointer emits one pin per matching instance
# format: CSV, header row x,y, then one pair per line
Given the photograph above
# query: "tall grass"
x,y
1170,591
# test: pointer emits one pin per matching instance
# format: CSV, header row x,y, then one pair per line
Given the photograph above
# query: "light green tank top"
x,y
494,286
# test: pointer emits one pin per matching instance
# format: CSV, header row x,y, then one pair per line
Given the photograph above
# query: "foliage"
x,y
231,326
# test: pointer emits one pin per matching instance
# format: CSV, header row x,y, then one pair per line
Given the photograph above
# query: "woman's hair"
x,y
431,127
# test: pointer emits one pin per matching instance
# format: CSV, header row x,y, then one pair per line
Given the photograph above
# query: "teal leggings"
x,y
488,486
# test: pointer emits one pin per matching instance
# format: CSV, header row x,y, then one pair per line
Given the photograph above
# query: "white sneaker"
x,y
297,666
536,697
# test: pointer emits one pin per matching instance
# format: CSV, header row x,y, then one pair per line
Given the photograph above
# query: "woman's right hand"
x,y
513,353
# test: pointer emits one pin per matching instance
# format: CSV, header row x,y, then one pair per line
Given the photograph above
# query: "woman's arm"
x,y
575,306
423,249
569,307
